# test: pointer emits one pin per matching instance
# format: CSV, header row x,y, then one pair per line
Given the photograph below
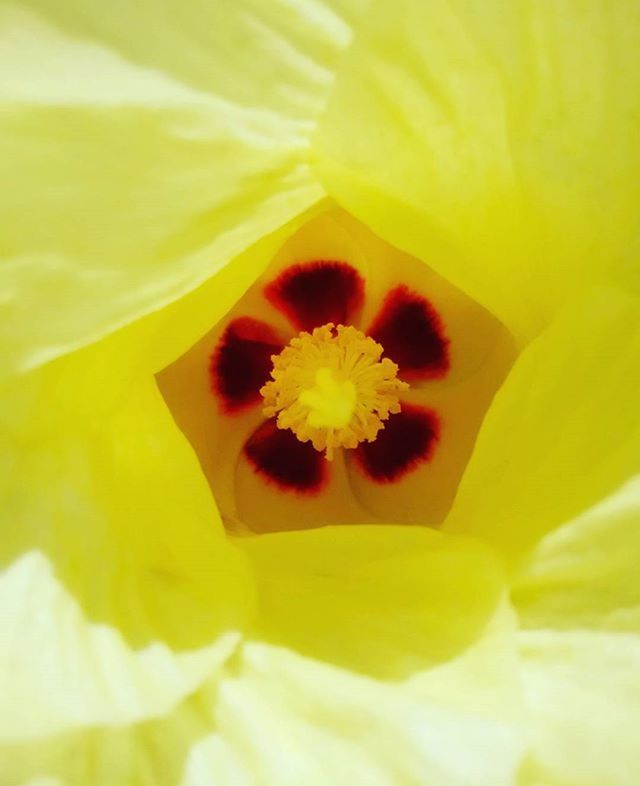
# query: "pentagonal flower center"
x,y
332,388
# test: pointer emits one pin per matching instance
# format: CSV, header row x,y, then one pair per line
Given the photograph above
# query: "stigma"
x,y
333,388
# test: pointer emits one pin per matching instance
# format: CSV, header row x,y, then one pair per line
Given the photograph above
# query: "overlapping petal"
x,y
585,574
101,482
469,135
563,431
153,752
498,143
579,647
383,600
144,148
583,697
284,719
59,673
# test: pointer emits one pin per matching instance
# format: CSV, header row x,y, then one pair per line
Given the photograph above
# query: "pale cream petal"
x,y
484,678
585,574
583,695
145,754
58,672
285,720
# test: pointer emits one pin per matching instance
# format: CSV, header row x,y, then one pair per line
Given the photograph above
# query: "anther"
x,y
332,388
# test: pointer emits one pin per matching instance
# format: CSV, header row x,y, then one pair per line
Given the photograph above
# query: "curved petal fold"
x,y
159,142
498,144
585,574
60,673
103,483
583,696
152,752
563,432
381,600
331,726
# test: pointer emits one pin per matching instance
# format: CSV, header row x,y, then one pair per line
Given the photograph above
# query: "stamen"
x,y
331,388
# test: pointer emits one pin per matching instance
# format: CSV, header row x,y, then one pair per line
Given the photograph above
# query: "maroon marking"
x,y
314,293
411,333
407,439
281,459
241,363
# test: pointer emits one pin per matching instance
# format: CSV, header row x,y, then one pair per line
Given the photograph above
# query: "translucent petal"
x,y
286,720
585,574
98,478
144,754
498,144
383,600
61,673
219,48
583,696
562,432
101,481
483,678
157,143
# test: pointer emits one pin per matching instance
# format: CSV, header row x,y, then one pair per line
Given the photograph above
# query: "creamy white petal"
x,y
58,672
284,720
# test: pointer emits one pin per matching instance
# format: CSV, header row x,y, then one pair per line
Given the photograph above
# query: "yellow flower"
x,y
156,158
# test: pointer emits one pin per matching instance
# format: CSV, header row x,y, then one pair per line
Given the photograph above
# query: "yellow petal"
x,y
383,600
585,574
583,695
158,142
59,673
284,719
563,431
498,144
104,484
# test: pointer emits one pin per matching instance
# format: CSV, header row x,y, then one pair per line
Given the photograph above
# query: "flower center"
x,y
331,388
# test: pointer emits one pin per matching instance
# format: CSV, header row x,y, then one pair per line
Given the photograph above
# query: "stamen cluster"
x,y
332,388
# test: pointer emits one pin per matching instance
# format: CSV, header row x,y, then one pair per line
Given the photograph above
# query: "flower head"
x,y
453,603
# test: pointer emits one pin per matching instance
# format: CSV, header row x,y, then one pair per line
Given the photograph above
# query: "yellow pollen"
x,y
331,401
331,388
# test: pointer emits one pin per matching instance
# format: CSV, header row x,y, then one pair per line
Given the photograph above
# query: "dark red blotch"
x,y
408,439
314,293
411,333
241,363
280,458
